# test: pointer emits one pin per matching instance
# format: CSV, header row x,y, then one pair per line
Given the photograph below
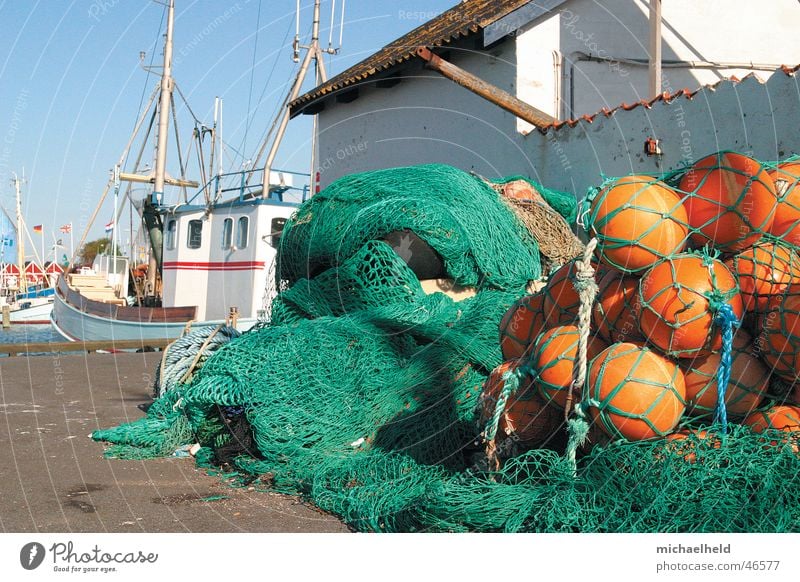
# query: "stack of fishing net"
x,y
377,400
693,347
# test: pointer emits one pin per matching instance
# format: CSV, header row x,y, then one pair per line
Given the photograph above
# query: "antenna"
x,y
313,53
333,20
296,42
341,25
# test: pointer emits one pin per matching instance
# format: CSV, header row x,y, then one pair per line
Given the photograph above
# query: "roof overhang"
x,y
466,19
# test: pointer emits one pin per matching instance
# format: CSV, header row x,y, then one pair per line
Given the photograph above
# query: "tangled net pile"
x,y
362,392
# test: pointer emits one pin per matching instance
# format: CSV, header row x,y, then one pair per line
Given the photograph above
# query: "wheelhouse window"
x,y
227,233
276,230
172,228
195,238
242,232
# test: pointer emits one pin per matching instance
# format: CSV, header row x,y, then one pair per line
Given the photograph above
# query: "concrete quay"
x,y
55,478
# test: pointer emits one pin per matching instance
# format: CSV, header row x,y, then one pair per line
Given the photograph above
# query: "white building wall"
x,y
749,117
427,118
423,119
539,74
741,35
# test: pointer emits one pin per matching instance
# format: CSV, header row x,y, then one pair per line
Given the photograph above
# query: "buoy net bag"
x,y
679,299
747,386
638,221
615,312
561,299
782,418
764,271
635,393
520,325
523,417
779,342
553,362
787,214
730,201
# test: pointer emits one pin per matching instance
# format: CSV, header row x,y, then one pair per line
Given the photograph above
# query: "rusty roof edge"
x,y
666,98
471,24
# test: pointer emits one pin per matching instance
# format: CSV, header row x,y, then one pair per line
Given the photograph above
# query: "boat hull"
x,y
75,325
36,313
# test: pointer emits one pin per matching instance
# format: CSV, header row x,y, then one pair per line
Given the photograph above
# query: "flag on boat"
x,y
110,227
66,229
38,228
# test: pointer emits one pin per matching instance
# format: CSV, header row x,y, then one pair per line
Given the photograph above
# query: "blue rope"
x,y
726,319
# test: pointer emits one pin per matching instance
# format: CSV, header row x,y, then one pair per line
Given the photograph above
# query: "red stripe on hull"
x,y
218,266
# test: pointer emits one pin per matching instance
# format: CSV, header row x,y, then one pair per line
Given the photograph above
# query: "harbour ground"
x,y
55,478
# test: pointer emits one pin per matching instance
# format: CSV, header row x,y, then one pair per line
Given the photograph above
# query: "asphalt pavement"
x,y
55,478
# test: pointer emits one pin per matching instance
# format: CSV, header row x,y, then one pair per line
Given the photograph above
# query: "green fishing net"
x,y
456,213
362,392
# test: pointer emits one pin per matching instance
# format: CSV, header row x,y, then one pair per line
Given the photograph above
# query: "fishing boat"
x,y
25,286
212,256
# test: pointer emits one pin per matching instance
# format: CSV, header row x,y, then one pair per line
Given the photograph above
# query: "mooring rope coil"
x,y
187,353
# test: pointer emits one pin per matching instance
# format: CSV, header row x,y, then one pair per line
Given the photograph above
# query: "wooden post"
x,y
234,317
655,48
490,92
6,316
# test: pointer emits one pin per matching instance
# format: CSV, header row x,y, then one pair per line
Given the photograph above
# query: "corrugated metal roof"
x,y
468,17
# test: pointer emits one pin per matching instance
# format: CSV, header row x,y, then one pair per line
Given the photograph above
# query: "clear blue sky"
x,y
71,84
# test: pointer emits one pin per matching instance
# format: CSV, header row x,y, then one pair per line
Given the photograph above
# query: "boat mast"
x,y
163,110
150,213
23,281
313,51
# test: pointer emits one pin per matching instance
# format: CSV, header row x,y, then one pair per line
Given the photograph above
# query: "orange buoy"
x,y
779,342
561,300
614,314
764,270
530,422
730,201
677,308
520,325
553,359
749,381
787,214
784,417
638,221
635,393
525,418
687,442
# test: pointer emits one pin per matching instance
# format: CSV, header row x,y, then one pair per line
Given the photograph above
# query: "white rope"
x,y
587,290
586,287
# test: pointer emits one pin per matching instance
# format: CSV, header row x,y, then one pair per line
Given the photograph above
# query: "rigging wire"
x,y
260,99
147,70
282,102
252,76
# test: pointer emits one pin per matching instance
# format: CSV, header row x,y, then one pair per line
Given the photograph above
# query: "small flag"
x,y
110,227
38,228
67,228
